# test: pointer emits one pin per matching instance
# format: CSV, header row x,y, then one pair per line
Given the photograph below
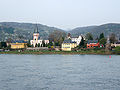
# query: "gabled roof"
x,y
68,41
75,37
36,29
92,41
117,42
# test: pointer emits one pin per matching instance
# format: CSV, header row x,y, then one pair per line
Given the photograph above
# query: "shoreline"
x,y
59,52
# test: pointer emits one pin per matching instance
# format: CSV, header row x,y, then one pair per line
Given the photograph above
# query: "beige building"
x,y
67,45
115,44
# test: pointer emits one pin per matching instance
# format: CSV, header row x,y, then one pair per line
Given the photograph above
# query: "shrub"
x,y
117,50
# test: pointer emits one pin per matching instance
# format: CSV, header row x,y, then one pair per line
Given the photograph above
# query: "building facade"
x,y
36,41
76,39
93,44
117,44
18,44
67,45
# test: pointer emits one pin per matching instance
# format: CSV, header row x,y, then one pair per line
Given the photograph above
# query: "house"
x,y
18,44
36,41
76,39
68,44
116,44
93,44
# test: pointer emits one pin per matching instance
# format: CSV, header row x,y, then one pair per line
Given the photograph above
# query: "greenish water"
x,y
59,72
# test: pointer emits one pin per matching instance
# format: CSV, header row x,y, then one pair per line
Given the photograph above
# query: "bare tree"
x,y
57,37
89,36
112,38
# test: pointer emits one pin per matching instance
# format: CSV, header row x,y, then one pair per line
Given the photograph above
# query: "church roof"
x,y
36,29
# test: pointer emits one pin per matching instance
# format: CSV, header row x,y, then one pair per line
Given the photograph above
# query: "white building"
x,y
36,40
77,39
46,41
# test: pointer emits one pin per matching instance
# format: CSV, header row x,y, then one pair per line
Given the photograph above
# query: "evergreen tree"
x,y
46,45
103,41
36,45
50,44
3,45
101,36
28,44
82,43
0,45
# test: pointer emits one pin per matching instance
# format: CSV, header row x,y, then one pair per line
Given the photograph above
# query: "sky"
x,y
64,14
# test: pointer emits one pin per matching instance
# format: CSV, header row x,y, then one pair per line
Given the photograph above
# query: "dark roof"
x,y
117,42
68,41
36,29
92,41
75,37
19,41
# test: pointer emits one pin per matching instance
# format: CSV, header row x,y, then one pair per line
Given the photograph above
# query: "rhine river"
x,y
59,72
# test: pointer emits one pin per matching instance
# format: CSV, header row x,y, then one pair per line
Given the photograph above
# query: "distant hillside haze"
x,y
107,29
24,30
15,30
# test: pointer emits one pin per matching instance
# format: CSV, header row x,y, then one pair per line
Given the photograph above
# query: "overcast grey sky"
x,y
65,14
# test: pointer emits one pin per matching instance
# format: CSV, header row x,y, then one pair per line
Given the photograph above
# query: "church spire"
x,y
36,29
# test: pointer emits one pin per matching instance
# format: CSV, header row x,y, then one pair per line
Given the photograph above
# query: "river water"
x,y
59,72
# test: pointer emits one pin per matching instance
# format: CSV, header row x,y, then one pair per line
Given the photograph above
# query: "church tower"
x,y
36,34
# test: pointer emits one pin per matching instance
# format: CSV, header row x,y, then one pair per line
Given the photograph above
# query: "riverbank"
x,y
59,52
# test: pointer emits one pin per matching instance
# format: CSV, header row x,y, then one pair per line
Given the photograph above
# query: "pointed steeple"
x,y
36,29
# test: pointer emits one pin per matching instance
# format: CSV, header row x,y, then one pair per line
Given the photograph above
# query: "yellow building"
x,y
18,44
67,45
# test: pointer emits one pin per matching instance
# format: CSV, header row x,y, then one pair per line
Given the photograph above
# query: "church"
x,y
36,42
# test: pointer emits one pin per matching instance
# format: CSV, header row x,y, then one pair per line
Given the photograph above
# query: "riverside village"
x,y
63,43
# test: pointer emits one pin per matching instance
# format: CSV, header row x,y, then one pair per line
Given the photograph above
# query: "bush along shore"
x,y
91,51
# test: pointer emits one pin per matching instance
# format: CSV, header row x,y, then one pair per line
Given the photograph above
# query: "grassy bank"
x,y
99,52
